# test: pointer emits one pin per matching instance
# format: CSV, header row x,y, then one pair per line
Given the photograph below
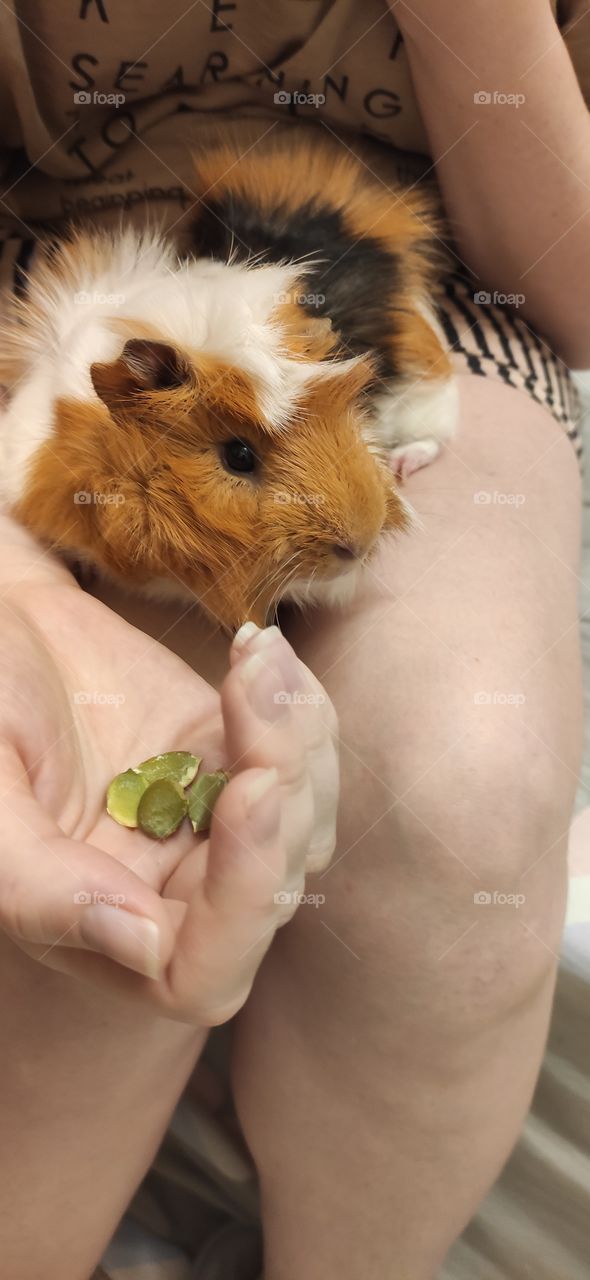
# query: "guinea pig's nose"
x,y
346,551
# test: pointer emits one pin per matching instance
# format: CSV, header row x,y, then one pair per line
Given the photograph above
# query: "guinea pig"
x,y
213,424
180,426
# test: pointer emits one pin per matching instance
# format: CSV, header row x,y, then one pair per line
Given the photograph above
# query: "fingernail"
x,y
263,804
244,634
129,939
283,656
265,689
269,636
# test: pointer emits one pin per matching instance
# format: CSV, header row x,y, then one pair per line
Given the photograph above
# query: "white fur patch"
x,y
328,591
227,311
416,409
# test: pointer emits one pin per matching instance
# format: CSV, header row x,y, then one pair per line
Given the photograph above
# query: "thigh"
x,y
401,1001
470,622
456,676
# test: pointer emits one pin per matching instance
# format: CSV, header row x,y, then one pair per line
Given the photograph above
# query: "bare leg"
x,y
89,1076
87,1091
386,1058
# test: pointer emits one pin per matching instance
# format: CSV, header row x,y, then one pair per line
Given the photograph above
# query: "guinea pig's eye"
x,y
238,457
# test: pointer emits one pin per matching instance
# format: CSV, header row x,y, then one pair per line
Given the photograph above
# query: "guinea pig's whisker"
x,y
281,582
276,599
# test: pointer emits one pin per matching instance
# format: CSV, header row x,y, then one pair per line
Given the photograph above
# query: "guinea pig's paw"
x,y
404,459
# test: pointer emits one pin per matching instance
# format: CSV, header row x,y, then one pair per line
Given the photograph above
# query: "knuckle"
x,y
14,912
321,852
292,766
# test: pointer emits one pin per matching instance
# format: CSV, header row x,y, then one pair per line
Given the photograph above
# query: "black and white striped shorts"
x,y
493,342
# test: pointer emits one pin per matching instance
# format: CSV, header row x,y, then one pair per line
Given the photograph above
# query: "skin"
x,y
196,917
437,1043
515,180
430,1010
447,1002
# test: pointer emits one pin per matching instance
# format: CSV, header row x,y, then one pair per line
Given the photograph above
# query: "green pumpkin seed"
x,y
177,766
124,795
161,808
203,796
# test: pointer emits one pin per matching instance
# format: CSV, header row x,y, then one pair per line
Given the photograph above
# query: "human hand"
x,y
180,924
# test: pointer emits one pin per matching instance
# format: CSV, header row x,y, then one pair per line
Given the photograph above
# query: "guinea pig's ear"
x,y
143,365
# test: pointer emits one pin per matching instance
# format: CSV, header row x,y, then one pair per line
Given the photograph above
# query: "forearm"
x,y
515,180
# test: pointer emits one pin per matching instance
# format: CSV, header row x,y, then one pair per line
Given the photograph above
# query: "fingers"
x,y
232,917
315,723
262,731
265,823
61,893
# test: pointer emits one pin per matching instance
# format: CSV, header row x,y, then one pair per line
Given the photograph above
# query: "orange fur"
x,y
164,507
406,223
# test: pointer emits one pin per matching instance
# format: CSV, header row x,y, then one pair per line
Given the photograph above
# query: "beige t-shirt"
x,y
105,98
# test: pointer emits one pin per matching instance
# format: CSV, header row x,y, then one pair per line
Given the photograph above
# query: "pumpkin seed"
x,y
162,808
124,795
178,766
203,796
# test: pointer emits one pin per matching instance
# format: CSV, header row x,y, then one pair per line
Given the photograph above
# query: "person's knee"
x,y
452,884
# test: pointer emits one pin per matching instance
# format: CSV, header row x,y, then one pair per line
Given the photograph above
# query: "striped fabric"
x,y
492,341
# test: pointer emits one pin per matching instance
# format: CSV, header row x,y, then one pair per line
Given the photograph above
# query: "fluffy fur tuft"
x,y
300,330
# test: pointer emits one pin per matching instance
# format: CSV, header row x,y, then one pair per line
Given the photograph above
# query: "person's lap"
x,y
389,1050
399,985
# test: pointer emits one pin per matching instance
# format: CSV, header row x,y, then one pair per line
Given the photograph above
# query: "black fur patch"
x,y
353,281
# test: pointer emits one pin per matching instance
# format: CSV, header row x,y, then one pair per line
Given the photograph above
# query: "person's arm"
x,y
515,179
